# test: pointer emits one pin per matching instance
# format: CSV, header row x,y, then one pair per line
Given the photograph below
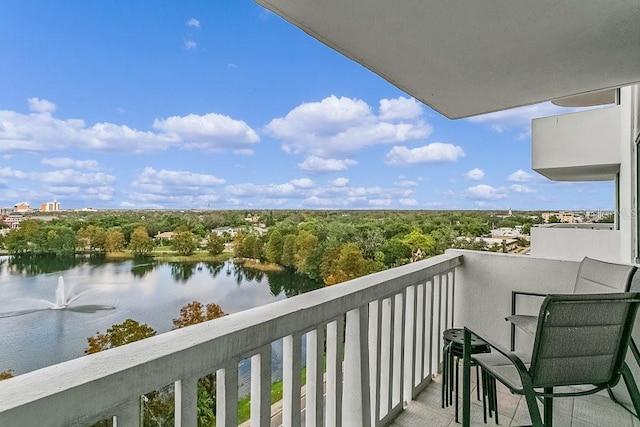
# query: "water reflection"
x,y
32,265
147,291
140,267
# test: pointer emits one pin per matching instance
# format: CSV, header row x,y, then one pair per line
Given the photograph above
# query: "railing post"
x,y
356,405
186,402
335,347
315,383
261,388
291,372
227,395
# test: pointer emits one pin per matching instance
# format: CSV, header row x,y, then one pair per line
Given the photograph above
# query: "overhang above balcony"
x,y
582,146
465,58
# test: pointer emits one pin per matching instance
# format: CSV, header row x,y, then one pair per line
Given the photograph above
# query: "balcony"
x,y
580,146
378,336
575,241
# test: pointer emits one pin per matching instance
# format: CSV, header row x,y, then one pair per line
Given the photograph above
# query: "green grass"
x,y
244,404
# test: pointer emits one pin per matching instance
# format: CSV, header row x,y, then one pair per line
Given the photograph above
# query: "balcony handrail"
x,y
79,390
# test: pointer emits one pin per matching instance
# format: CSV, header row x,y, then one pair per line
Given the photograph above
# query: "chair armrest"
x,y
514,305
466,373
514,298
510,355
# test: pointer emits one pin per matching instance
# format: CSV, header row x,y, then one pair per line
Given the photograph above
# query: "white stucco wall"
x,y
574,243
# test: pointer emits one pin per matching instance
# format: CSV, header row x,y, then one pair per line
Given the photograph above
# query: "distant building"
x,y
220,231
14,219
50,206
507,232
167,235
22,207
564,217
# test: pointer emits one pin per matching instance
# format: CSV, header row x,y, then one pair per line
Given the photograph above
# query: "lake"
x,y
146,291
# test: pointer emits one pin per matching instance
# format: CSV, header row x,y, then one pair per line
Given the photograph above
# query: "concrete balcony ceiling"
x,y
465,58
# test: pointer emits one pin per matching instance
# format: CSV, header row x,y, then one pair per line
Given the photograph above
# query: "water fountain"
x,y
64,300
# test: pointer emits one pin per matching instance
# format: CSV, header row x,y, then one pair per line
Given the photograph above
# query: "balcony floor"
x,y
587,411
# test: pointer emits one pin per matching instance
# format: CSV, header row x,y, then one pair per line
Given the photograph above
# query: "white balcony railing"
x,y
382,335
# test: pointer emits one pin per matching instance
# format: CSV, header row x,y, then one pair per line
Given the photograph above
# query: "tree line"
x,y
332,246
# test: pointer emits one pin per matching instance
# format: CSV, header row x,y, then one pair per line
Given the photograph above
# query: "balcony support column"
x,y
356,404
186,402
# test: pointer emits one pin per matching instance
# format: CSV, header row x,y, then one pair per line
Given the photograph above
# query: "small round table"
x,y
452,352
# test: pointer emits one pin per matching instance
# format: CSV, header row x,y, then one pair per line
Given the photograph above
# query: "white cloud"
x,y
43,132
266,190
485,192
244,152
38,105
168,181
65,162
305,193
435,152
317,164
402,182
189,44
340,182
64,177
520,176
303,183
520,118
475,174
193,22
156,189
519,188
208,132
340,126
400,109
408,202
65,184
380,202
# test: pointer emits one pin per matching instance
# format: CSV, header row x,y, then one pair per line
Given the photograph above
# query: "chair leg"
x,y
548,408
444,374
457,389
532,405
477,382
494,393
484,395
632,387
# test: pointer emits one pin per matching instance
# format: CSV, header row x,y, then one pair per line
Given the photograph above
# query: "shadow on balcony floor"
x,y
588,411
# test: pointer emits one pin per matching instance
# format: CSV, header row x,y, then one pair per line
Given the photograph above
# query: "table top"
x,y
456,335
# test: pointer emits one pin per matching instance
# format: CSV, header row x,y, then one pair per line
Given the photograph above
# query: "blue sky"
x,y
223,105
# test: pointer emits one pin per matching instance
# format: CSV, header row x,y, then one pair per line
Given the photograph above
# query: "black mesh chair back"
x,y
582,339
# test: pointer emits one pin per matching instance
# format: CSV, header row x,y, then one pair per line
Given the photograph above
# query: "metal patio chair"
x,y
581,340
594,276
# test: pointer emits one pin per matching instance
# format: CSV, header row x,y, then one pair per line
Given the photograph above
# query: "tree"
x,y
553,219
119,334
396,252
140,243
114,240
184,242
417,240
304,246
273,251
351,264
215,245
191,314
288,250
157,405
195,312
92,238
